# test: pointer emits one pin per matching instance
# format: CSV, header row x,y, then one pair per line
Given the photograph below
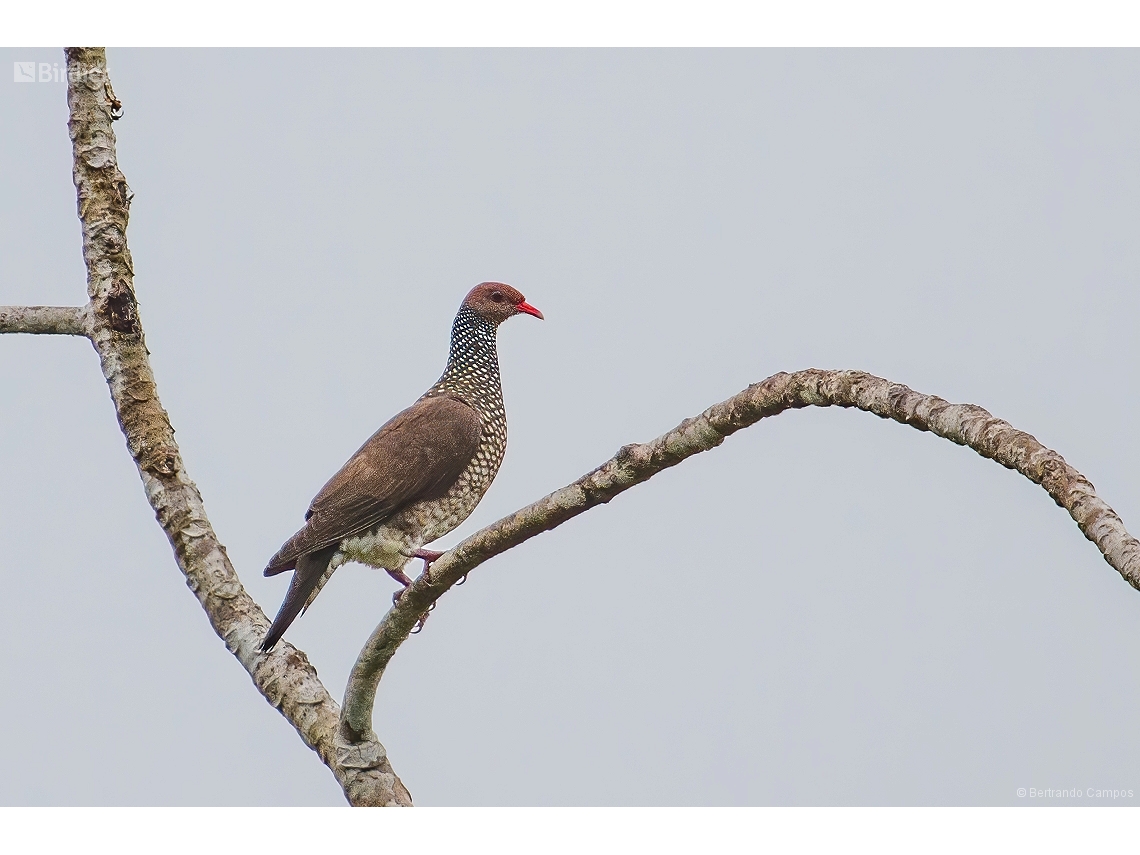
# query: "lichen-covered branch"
x,y
344,738
964,424
45,320
284,677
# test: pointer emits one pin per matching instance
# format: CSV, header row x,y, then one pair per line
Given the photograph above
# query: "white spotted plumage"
x,y
419,476
472,375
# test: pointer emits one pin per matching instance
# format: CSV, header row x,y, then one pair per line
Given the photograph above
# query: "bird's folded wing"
x,y
417,455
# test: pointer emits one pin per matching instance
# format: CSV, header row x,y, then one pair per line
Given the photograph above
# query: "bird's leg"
x,y
400,577
427,556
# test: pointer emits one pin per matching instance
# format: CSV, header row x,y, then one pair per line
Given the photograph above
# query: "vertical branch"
x,y
284,677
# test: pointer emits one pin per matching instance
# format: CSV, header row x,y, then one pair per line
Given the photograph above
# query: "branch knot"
x,y
120,310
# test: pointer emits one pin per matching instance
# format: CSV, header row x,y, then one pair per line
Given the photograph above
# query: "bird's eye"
x,y
497,296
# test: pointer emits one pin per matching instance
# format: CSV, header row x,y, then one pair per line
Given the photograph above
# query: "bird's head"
x,y
496,302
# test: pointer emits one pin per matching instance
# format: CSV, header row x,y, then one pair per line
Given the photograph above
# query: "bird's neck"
x,y
473,367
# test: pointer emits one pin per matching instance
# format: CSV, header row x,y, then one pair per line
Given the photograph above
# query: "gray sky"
x,y
829,609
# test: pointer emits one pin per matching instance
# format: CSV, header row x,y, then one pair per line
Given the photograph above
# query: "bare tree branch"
x,y
964,424
284,677
344,738
45,320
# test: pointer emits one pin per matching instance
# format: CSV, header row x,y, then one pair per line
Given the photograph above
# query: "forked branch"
x,y
344,738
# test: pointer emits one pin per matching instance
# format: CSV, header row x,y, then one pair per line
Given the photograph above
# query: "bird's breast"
x,y
436,517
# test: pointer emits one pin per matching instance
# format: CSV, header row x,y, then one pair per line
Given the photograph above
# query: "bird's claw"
x,y
423,619
398,595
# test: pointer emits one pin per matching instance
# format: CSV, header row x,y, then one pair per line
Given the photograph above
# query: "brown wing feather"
x,y
417,455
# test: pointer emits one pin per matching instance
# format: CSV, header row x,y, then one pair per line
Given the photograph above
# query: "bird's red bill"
x,y
524,306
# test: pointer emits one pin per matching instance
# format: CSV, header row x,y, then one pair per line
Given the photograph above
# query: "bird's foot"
x,y
423,619
398,595
427,556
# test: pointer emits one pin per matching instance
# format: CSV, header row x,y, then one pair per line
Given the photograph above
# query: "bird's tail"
x,y
313,570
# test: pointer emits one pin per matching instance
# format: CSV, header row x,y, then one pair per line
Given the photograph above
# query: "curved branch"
x,y
284,677
964,424
45,320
